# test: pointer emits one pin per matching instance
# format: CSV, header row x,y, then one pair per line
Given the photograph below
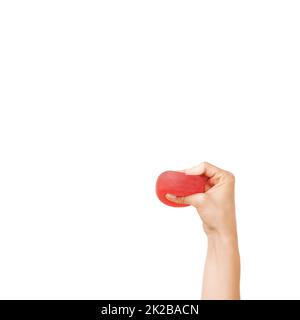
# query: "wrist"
x,y
225,228
223,240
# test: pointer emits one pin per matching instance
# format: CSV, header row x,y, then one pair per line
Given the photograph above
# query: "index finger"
x,y
204,168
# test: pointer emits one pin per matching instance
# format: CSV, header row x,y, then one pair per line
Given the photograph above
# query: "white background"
x,y
99,97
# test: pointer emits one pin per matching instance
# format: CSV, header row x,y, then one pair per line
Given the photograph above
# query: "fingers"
x,y
195,200
204,168
214,173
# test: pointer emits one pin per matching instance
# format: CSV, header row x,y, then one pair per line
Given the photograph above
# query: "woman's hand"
x,y
216,206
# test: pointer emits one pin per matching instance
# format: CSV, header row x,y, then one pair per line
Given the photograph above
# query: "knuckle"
x,y
201,196
199,200
230,176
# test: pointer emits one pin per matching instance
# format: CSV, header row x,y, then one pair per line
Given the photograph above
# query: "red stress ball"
x,y
178,184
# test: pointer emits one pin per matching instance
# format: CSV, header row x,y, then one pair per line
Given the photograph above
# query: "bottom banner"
x,y
143,309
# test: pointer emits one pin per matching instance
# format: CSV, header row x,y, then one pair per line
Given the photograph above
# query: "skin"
x,y
216,208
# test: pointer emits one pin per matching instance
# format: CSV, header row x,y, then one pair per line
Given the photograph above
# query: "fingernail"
x,y
171,196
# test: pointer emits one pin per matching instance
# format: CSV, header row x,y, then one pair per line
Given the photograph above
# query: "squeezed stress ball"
x,y
178,184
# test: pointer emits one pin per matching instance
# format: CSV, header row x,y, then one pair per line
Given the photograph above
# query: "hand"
x,y
216,206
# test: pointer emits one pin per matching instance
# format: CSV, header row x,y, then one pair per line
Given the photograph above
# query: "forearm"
x,y
222,268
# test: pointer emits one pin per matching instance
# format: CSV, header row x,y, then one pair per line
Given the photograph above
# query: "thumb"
x,y
195,200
